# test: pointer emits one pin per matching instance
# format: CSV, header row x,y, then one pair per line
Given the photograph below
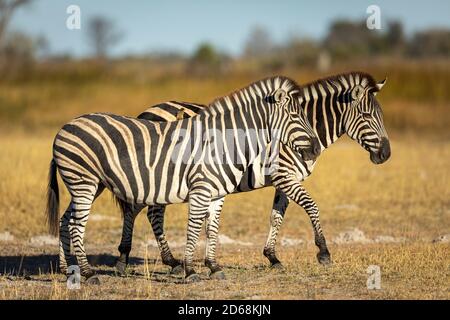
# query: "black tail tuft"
x,y
52,212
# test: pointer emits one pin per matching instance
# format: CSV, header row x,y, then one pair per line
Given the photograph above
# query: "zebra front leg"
x,y
130,213
155,215
307,203
280,203
297,193
212,230
199,199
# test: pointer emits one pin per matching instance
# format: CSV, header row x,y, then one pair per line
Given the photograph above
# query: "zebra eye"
x,y
294,115
366,115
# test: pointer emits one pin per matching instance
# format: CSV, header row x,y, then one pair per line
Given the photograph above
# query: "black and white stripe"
x,y
147,163
335,105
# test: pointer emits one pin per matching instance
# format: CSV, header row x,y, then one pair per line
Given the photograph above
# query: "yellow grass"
x,y
406,198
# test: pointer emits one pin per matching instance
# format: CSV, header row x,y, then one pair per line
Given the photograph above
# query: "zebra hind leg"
x,y
64,240
155,215
212,229
280,203
129,216
199,200
81,206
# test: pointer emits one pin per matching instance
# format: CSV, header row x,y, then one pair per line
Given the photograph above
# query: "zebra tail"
x,y
52,211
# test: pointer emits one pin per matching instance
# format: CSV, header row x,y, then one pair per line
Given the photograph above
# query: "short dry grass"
x,y
406,199
399,207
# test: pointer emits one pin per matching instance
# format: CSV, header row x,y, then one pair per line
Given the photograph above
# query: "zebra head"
x,y
296,131
364,121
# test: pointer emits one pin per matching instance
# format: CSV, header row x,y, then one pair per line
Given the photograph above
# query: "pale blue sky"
x,y
182,25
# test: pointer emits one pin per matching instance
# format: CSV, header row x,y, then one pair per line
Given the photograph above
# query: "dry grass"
x,y
402,198
415,99
407,199
408,271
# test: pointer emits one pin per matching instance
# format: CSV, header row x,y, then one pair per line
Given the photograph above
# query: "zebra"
x,y
156,163
339,104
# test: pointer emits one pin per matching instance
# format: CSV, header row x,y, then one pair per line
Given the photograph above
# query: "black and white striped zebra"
x,y
335,105
157,163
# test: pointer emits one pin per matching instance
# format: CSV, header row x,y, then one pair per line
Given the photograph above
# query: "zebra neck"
x,y
324,112
239,122
237,133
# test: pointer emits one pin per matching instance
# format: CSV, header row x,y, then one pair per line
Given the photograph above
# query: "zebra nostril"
x,y
316,146
385,149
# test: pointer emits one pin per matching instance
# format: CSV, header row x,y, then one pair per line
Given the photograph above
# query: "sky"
x,y
177,25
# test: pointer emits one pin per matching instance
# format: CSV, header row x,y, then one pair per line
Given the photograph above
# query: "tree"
x,y
102,35
347,38
395,37
206,54
7,8
205,60
259,43
302,51
431,43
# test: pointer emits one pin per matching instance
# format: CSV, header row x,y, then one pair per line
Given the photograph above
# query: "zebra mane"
x,y
271,82
358,77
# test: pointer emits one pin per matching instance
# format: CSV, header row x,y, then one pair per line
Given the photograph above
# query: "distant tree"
x,y
7,9
19,45
395,34
259,43
347,38
206,54
18,54
430,43
206,59
102,35
302,51
395,37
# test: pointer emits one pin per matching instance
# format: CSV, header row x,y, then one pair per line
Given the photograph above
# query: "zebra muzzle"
x,y
311,152
383,153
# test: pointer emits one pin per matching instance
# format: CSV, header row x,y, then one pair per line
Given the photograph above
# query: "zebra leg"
x,y
155,215
299,195
212,230
64,234
64,240
280,203
130,213
81,206
199,199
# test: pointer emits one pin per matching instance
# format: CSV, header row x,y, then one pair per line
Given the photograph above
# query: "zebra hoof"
x,y
121,268
277,266
218,275
177,269
324,259
192,278
94,280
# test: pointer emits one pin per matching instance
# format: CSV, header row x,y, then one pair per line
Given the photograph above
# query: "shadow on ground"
x,y
47,263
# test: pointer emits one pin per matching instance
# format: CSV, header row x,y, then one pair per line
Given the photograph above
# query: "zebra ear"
x,y
180,114
358,92
381,84
279,96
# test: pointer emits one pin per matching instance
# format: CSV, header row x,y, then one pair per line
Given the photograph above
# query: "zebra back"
x,y
171,111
